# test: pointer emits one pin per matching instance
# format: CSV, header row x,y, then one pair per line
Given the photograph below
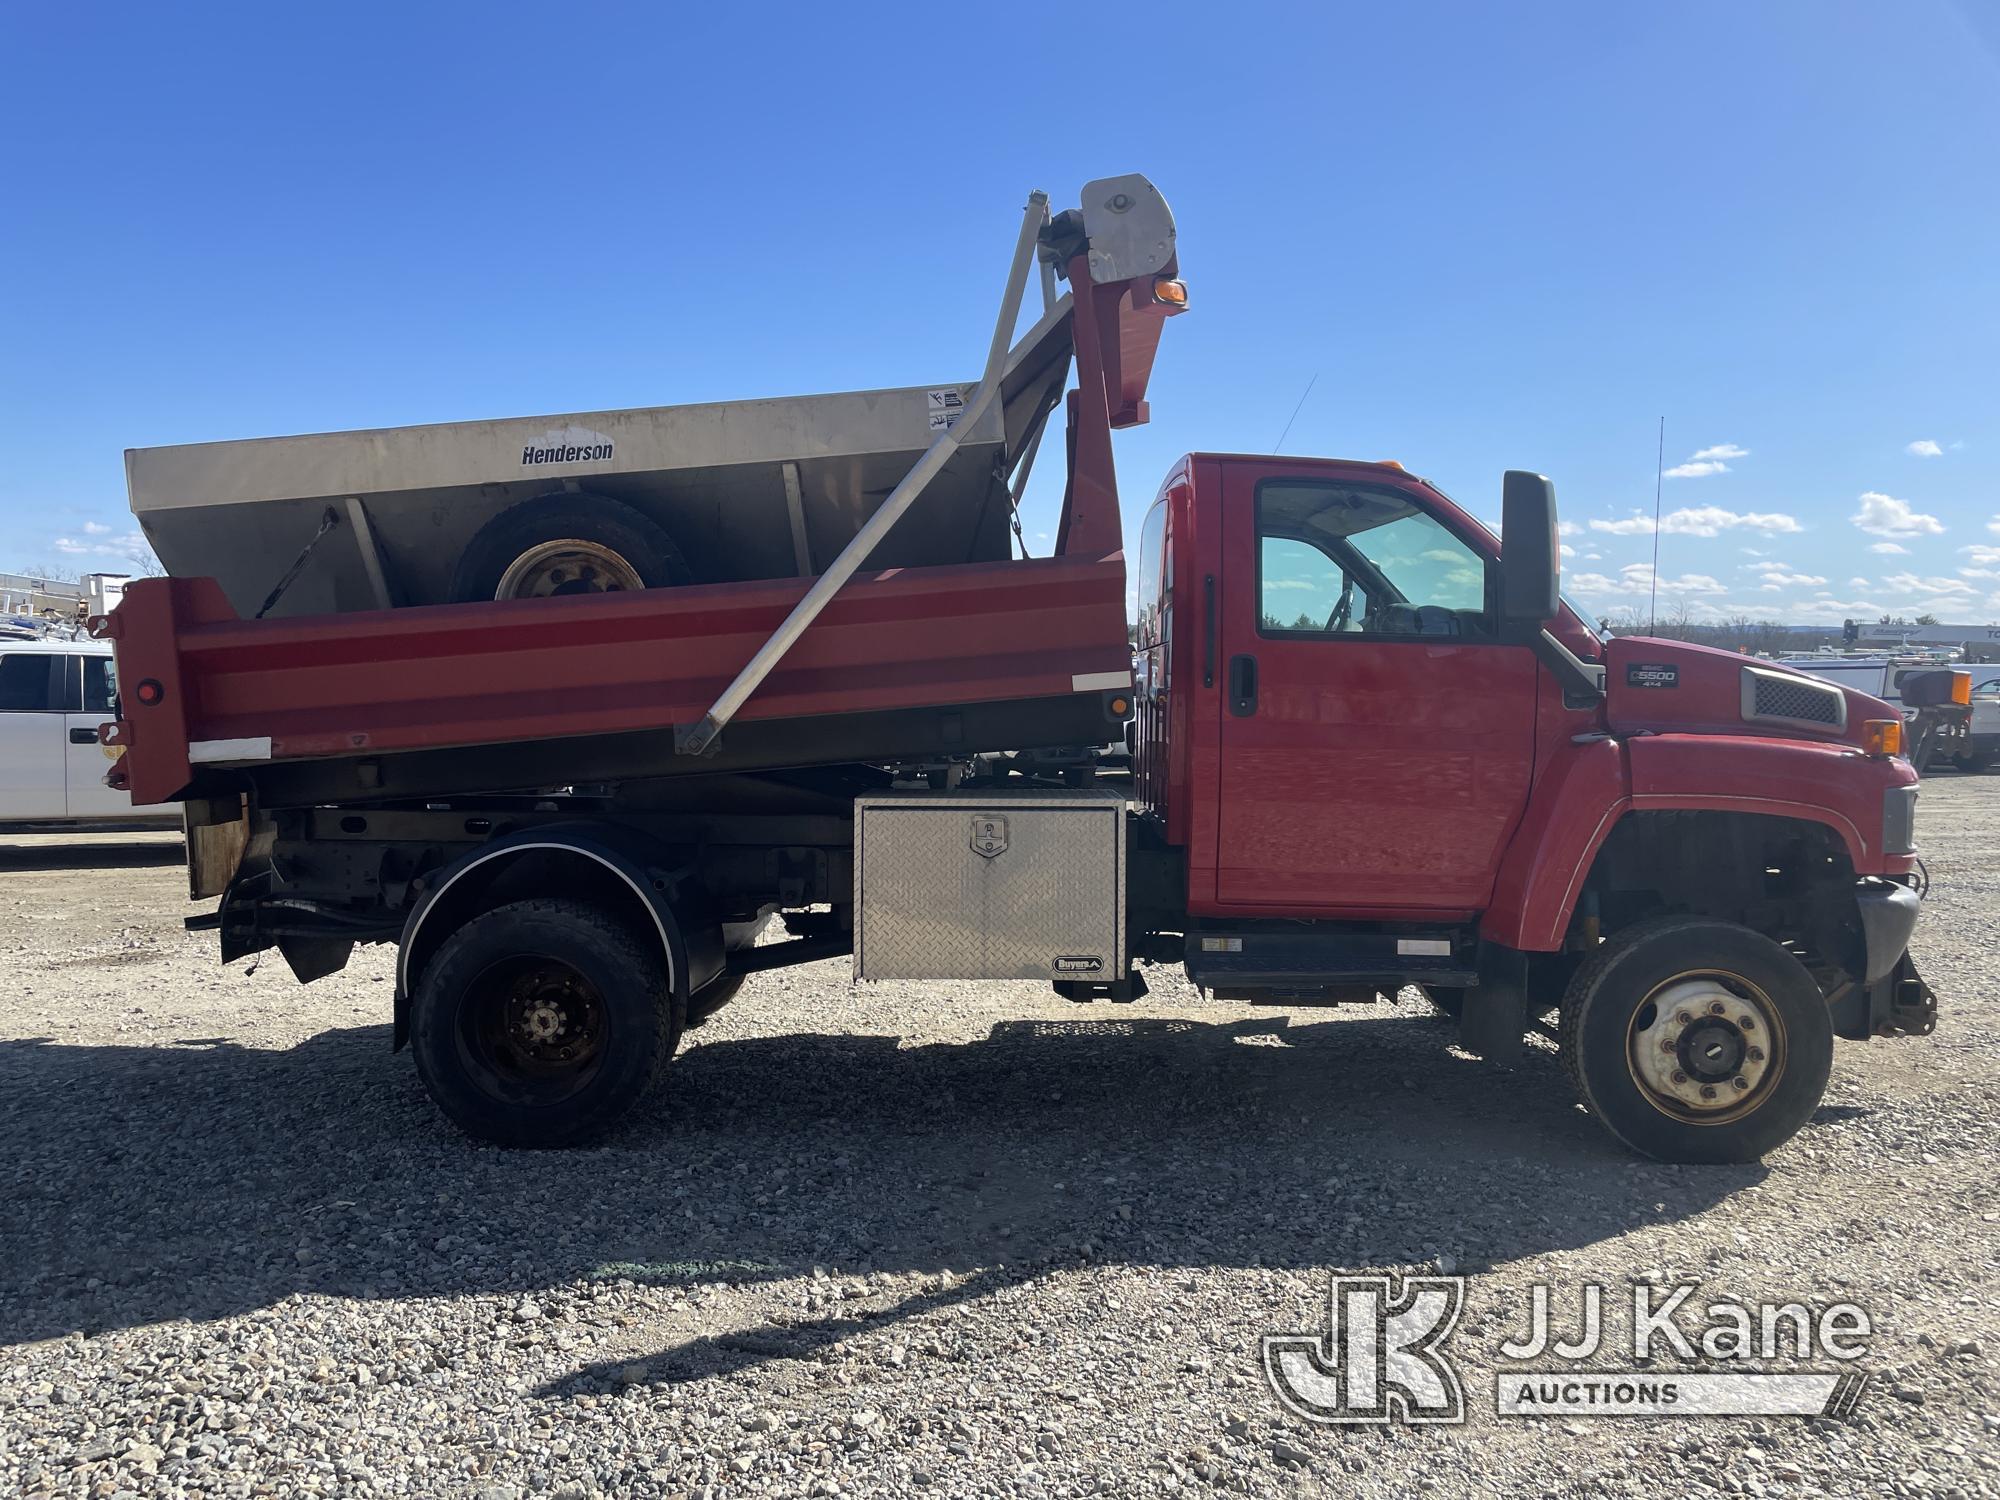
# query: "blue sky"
x,y
1491,236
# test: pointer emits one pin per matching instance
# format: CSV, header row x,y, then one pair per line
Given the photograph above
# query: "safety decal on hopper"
x,y
943,409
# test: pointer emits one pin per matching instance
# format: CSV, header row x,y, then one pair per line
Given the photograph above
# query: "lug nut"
x,y
1667,1044
1715,1008
1679,1076
1756,1054
1707,1092
1684,1018
1748,1023
1742,1083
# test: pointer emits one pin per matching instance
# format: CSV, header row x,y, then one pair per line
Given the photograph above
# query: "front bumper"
x,y
1890,997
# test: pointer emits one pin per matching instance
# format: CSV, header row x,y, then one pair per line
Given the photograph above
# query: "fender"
x,y
1575,806
1577,798
690,940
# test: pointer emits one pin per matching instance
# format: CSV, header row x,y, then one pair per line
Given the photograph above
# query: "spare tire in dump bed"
x,y
566,544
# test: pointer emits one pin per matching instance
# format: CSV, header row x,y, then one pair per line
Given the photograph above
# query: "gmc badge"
x,y
1652,674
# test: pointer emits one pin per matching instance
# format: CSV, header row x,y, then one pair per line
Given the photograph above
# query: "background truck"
x,y
54,694
1934,698
1371,748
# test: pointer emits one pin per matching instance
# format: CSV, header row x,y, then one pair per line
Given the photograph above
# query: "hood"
x,y
1668,686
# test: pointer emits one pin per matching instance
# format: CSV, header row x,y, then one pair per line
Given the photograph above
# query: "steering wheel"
x,y
1343,611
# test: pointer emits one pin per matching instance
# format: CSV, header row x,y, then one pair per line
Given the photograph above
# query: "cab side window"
x,y
1152,546
1354,560
100,684
24,683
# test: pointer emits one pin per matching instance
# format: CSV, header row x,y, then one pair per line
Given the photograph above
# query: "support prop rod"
x,y
699,738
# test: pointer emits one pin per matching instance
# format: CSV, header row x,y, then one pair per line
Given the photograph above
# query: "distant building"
x,y
26,597
1871,634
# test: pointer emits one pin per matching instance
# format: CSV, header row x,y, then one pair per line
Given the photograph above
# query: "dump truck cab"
x,y
1348,734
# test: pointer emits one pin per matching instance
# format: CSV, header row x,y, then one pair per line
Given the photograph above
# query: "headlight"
x,y
1899,820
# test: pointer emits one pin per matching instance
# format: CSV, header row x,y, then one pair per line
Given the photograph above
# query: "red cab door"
x,y
1377,741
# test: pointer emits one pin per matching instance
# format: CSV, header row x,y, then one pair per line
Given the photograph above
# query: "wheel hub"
x,y
571,565
549,1018
1699,1048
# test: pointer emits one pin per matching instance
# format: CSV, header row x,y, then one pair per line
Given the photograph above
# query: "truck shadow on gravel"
x,y
207,1179
15,856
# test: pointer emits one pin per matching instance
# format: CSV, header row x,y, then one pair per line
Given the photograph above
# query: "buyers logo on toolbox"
x,y
566,445
1079,963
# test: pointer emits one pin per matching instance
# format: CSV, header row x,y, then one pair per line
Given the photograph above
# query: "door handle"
x,y
1208,630
80,735
1243,686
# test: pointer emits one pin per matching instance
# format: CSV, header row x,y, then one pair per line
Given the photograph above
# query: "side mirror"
x,y
1530,569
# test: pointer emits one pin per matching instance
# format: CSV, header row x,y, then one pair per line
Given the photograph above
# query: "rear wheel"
x,y
541,1023
1695,1040
558,545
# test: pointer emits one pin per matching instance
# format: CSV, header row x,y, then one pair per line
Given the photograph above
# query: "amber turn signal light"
x,y
1882,736
1170,291
1961,687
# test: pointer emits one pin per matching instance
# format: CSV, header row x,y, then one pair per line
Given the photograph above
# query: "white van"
x,y
53,695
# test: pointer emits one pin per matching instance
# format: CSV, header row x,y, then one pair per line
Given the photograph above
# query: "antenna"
x,y
1295,412
1659,472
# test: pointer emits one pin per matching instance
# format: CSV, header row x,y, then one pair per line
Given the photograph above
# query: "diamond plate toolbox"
x,y
997,885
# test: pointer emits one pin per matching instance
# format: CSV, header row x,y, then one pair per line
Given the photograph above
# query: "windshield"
x,y
1590,621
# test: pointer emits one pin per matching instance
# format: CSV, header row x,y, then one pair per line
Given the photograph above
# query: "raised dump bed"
x,y
843,588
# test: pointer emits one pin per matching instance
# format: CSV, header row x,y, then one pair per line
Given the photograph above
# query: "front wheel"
x,y
1694,1040
541,1023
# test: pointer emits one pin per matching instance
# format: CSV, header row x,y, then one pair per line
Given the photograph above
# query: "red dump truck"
x,y
1370,748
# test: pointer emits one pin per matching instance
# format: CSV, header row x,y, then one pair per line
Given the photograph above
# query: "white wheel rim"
x,y
1710,1048
570,565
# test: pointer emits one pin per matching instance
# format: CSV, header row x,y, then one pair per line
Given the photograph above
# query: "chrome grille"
x,y
1785,698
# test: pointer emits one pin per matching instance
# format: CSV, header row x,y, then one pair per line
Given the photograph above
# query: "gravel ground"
x,y
968,1240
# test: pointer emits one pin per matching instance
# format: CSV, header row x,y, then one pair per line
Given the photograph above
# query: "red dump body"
x,y
203,689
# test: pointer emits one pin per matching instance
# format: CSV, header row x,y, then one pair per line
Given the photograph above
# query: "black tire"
x,y
718,993
568,971
643,545
1605,1021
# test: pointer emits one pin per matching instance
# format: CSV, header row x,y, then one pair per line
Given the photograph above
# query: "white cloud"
x,y
1979,573
1567,550
1823,608
1568,528
1910,583
120,548
1924,448
1885,515
1593,557
1702,520
1857,583
1723,450
1697,470
1637,578
1779,578
1984,557
1890,549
